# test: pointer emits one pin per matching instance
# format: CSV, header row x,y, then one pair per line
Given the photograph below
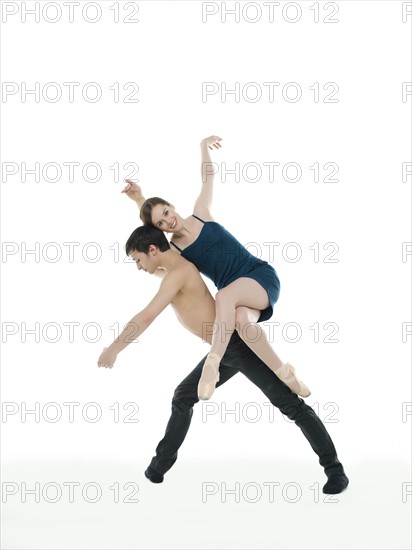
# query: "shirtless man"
x,y
183,288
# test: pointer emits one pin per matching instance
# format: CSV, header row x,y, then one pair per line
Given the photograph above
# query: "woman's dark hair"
x,y
145,235
147,207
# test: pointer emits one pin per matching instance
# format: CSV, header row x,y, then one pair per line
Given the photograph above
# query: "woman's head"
x,y
161,214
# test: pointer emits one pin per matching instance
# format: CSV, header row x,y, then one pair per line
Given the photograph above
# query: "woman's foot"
x,y
210,376
287,374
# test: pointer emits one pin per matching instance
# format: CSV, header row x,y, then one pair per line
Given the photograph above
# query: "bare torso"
x,y
193,304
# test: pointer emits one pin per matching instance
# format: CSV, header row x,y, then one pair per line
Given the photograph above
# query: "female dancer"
x,y
248,287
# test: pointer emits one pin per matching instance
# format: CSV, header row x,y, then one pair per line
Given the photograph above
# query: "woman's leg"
x,y
251,333
250,294
242,292
226,301
255,338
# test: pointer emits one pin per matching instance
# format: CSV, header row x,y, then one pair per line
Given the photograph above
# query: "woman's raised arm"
x,y
134,192
203,202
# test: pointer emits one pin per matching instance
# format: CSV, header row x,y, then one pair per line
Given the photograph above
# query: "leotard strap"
x,y
175,245
179,249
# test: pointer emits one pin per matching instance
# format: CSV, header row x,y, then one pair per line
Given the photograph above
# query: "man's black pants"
x,y
240,358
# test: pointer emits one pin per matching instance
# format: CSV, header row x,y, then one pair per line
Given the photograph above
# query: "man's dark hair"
x,y
145,235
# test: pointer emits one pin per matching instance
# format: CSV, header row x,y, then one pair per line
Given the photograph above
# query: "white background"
x,y
362,381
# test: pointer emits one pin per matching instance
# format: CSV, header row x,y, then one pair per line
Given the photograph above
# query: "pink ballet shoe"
x,y
209,378
286,373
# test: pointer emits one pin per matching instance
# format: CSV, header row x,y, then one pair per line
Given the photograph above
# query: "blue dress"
x,y
219,255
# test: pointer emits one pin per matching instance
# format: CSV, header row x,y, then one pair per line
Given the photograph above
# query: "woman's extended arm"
x,y
134,192
204,201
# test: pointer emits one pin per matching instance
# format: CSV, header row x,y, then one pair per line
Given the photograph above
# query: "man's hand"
x,y
133,191
212,141
107,358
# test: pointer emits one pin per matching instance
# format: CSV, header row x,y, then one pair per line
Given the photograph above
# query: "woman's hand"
x,y
212,141
133,191
107,358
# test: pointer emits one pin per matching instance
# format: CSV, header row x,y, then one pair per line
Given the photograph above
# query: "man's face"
x,y
146,262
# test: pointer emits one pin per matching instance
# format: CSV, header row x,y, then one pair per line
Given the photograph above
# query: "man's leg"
x,y
185,396
238,354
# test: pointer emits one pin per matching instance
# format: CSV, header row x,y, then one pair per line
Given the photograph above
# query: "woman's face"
x,y
166,218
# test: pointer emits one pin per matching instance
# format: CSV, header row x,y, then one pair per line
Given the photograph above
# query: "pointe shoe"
x,y
287,374
209,378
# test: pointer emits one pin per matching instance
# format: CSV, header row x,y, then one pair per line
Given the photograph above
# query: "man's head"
x,y
145,246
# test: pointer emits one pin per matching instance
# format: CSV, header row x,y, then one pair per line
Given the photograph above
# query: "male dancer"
x,y
183,288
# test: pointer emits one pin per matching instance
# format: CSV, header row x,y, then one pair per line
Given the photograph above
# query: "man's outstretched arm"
x,y
169,287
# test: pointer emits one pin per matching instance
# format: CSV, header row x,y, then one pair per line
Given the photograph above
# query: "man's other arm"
x,y
169,287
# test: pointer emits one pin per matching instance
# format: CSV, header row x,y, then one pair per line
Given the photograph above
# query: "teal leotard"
x,y
219,255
